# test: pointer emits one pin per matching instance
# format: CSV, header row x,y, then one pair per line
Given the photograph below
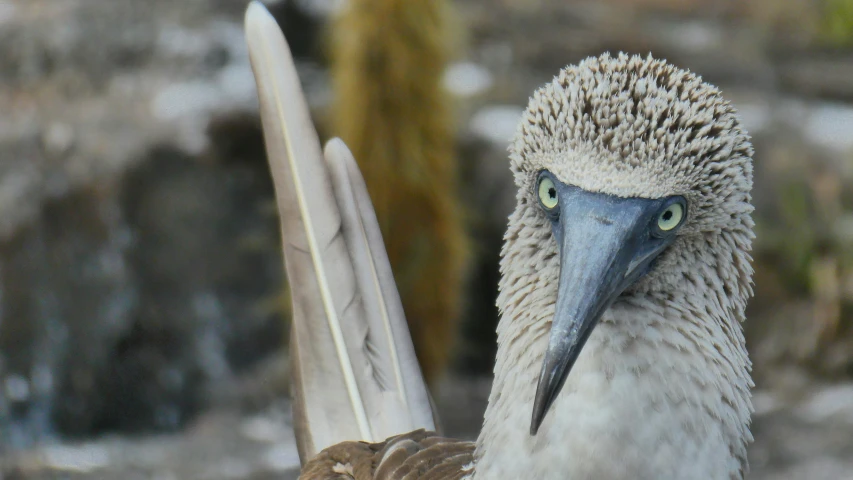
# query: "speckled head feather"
x,y
664,378
636,127
640,127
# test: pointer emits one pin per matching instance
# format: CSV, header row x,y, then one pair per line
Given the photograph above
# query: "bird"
x,y
625,275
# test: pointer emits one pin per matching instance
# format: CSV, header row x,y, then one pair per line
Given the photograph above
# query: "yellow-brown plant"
x,y
388,57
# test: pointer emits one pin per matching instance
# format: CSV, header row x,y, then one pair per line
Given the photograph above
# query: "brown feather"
x,y
418,455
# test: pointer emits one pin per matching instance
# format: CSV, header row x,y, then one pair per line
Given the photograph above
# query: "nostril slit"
x,y
602,220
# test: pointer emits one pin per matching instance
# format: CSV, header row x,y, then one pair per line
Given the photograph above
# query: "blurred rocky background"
x,y
143,309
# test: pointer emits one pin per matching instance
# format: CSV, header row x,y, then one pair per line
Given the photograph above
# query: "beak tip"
x,y
541,405
534,426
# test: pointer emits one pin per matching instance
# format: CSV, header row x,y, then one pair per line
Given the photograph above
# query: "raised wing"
x,y
355,373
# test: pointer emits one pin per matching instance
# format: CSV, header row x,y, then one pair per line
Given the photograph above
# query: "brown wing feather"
x,y
420,455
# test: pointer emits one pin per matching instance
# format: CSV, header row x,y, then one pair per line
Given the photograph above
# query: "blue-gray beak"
x,y
606,244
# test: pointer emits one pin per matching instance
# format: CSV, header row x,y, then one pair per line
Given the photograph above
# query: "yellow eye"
x,y
671,217
547,193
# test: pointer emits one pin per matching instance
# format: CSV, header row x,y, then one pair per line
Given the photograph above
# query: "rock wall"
x,y
139,259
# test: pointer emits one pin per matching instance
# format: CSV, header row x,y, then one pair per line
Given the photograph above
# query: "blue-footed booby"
x,y
625,275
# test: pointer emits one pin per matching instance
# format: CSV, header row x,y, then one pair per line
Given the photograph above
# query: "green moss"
x,y
791,241
837,25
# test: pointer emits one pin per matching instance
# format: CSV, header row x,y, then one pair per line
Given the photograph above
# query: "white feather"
x,y
354,369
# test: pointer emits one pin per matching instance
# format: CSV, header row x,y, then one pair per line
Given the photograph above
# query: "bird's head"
x,y
619,160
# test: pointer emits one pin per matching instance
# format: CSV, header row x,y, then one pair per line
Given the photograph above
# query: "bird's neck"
x,y
661,389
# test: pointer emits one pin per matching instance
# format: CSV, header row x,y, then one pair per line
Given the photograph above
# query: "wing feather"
x,y
355,374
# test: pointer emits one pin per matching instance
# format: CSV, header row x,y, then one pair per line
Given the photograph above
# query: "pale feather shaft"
x,y
354,369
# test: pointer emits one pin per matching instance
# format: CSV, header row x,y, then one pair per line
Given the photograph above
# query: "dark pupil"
x,y
667,215
552,192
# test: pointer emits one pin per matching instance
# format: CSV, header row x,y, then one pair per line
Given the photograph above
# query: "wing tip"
x,y
336,143
257,14
261,27
336,150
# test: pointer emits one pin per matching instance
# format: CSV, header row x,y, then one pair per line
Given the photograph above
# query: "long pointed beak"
x,y
604,247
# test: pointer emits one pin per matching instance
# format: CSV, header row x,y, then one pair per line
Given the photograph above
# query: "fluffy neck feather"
x,y
661,389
